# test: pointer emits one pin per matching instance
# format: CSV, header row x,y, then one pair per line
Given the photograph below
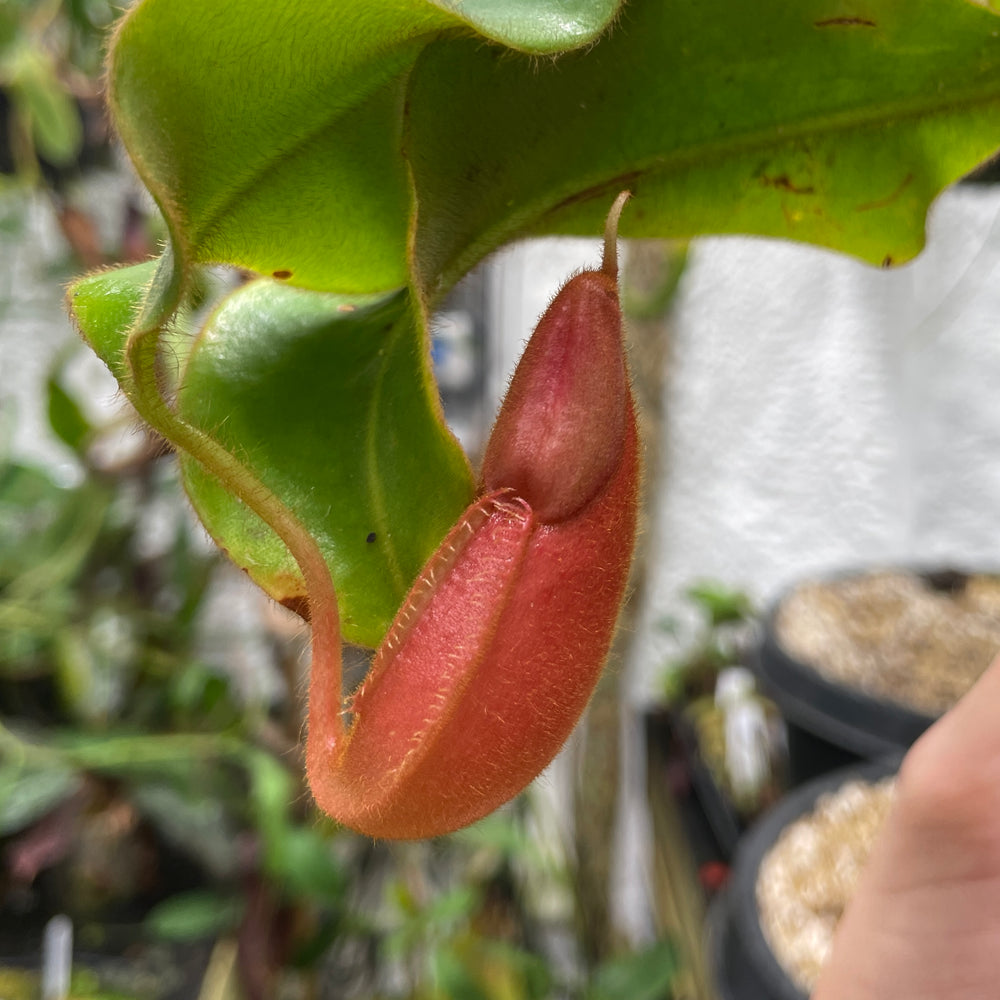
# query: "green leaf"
x,y
298,859
192,916
271,791
645,975
192,816
329,402
795,121
45,105
473,967
135,756
503,833
720,604
28,793
10,27
66,418
24,487
444,914
87,688
780,119
270,134
452,977
452,907
201,698
31,506
309,867
50,544
105,304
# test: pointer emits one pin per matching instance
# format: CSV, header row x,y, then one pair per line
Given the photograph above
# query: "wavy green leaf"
x,y
104,306
277,142
806,121
270,134
328,401
194,915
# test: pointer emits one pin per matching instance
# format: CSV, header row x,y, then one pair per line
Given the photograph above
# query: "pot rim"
x,y
741,903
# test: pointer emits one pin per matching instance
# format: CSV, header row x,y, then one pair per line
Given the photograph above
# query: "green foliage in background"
x,y
50,54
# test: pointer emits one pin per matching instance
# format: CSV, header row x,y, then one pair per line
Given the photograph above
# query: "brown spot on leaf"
x,y
845,22
346,307
784,183
887,261
281,274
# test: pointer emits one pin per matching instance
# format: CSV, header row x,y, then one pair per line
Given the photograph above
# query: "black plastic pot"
x,y
830,725
743,965
719,810
708,825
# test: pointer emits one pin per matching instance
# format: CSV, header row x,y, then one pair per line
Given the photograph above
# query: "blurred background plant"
x,y
50,63
717,634
53,124
733,736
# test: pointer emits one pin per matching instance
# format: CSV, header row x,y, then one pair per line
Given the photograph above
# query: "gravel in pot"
x,y
919,639
771,931
861,665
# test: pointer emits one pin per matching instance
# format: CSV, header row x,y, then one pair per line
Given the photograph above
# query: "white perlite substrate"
x,y
808,876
